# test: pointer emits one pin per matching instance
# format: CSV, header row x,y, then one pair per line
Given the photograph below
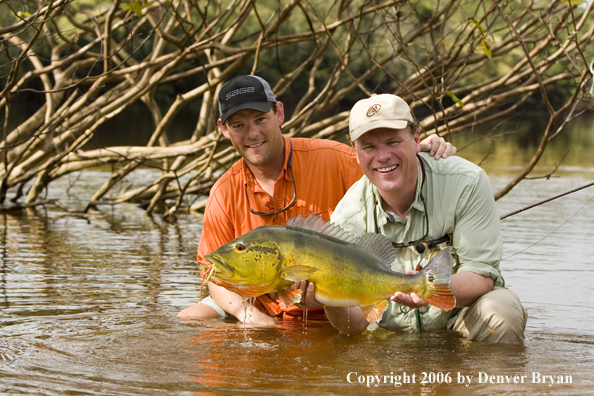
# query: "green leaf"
x,y
455,98
135,6
23,14
486,48
574,3
138,9
477,24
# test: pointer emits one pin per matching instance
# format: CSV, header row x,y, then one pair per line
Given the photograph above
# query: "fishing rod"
x,y
546,200
424,246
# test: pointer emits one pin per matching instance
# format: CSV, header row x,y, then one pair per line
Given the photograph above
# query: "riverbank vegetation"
x,y
68,69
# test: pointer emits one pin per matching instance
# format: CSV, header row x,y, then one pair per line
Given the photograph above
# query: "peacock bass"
x,y
346,270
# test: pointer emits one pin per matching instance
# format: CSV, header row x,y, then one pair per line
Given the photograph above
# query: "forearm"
x,y
349,320
469,287
235,305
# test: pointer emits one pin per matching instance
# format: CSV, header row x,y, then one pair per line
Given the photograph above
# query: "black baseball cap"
x,y
245,92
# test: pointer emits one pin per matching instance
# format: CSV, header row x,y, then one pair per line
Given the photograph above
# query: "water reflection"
x,y
88,305
505,148
318,359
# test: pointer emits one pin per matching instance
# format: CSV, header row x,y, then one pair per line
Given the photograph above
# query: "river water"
x,y
88,305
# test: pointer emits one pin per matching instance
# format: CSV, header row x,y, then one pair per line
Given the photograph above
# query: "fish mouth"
x,y
221,270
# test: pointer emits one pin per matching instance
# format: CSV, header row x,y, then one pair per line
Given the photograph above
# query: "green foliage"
x,y
135,6
574,3
455,98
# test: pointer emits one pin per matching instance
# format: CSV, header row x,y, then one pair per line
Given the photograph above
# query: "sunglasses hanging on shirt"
x,y
294,191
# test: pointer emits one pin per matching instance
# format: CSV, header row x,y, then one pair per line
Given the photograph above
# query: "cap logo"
x,y
239,91
373,110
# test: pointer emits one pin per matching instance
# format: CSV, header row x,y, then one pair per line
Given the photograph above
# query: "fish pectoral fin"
x,y
288,297
299,272
373,313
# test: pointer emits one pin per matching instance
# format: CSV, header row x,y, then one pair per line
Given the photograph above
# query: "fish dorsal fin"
x,y
376,244
379,246
315,223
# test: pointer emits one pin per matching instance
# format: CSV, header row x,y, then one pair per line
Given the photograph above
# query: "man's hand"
x,y
438,147
308,298
235,305
467,287
410,300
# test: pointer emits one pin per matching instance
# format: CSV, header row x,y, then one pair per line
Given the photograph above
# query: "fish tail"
x,y
438,275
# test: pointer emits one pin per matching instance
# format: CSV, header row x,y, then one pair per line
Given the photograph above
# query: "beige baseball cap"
x,y
378,111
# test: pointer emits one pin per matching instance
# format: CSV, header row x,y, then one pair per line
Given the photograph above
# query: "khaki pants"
x,y
498,316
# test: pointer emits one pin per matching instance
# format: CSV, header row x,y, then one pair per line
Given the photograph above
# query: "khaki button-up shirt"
x,y
459,201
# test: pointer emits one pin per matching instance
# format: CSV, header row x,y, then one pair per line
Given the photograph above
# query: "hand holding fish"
x,y
308,291
239,307
410,300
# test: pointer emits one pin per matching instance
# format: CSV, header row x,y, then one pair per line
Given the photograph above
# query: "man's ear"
x,y
417,142
280,112
355,149
223,129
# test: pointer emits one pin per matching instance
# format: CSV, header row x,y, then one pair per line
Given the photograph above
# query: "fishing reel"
x,y
421,247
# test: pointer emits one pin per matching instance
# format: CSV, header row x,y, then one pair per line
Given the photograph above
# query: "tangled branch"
x,y
459,63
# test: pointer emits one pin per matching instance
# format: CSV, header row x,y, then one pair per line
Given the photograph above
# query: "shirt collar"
x,y
418,203
288,154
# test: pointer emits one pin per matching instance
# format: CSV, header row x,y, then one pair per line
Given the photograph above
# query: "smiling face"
x,y
256,136
388,158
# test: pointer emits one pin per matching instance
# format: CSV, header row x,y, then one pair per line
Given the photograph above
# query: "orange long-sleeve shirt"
x,y
323,169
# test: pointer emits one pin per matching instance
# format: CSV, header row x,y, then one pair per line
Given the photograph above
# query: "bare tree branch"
x,y
459,63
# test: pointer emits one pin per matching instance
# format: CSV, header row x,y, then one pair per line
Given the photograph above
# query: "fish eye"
x,y
239,246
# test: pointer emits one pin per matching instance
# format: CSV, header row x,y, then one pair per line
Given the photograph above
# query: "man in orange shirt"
x,y
276,179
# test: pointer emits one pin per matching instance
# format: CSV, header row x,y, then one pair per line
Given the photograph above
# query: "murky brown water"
x,y
88,304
